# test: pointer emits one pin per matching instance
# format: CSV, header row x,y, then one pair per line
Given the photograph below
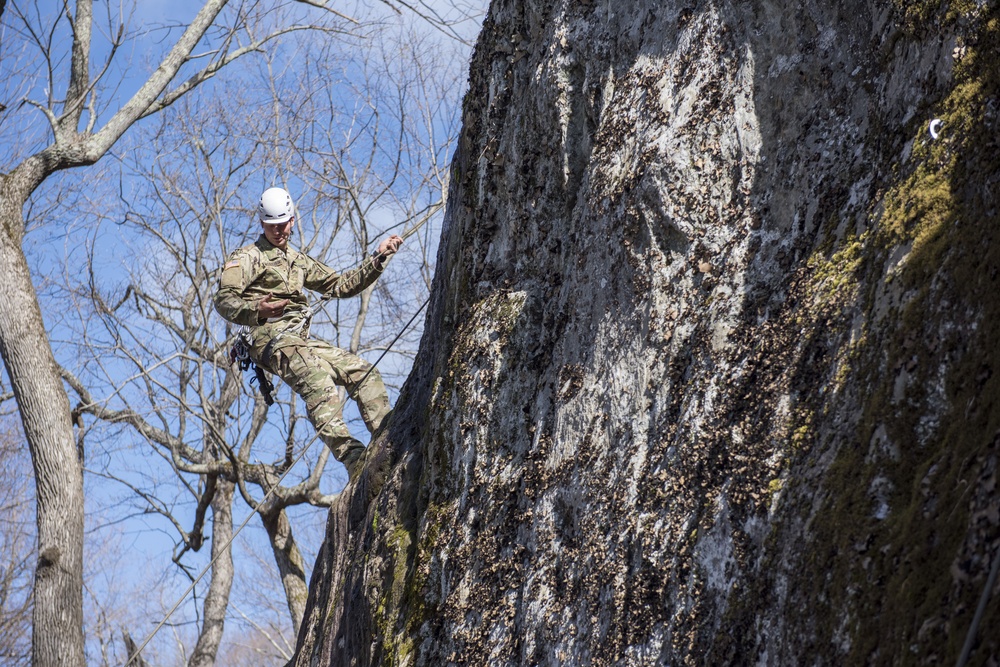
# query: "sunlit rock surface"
x,y
709,369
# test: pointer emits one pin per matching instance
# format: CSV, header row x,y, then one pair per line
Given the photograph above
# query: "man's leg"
x,y
308,370
370,395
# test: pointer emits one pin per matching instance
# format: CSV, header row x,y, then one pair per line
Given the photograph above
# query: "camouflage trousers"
x,y
315,369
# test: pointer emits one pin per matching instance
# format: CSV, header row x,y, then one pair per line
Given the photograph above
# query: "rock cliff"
x,y
709,374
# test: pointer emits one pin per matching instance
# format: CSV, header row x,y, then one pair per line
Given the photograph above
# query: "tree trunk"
x,y
217,597
132,651
57,637
290,564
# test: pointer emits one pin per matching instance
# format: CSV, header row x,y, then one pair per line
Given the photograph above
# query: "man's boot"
x,y
354,460
383,425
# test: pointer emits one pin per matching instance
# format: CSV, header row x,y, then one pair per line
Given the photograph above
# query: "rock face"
x,y
709,373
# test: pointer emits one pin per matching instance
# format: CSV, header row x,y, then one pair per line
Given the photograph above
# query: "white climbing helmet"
x,y
275,207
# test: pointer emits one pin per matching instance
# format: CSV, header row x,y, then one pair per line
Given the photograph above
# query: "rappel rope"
x,y
984,598
241,353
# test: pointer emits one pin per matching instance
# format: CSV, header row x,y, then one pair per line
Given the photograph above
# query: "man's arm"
x,y
326,281
240,270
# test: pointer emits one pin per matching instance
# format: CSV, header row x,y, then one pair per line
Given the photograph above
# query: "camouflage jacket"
x,y
254,271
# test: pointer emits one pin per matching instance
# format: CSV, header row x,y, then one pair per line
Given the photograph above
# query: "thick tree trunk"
x,y
57,637
217,597
291,567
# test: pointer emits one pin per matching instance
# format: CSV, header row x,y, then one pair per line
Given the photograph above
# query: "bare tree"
x,y
78,100
363,155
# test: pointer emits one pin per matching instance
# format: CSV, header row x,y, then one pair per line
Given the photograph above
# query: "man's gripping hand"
x,y
266,308
390,246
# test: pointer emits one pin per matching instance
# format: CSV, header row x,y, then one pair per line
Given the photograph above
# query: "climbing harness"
x,y
294,330
239,353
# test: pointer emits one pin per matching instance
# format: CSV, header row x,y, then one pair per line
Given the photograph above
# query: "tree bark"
x,y
290,564
79,79
217,597
45,415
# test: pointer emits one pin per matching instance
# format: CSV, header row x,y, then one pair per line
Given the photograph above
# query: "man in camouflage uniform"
x,y
262,287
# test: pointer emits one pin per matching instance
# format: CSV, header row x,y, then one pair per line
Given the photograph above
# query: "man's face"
x,y
278,234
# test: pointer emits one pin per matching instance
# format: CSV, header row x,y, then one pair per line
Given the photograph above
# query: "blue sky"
x,y
139,545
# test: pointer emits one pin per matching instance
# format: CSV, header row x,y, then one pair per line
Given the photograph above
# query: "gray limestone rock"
x,y
708,375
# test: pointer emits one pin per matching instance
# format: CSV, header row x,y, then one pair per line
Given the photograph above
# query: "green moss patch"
x,y
896,524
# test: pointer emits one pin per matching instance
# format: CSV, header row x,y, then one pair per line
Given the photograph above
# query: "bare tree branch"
x,y
151,347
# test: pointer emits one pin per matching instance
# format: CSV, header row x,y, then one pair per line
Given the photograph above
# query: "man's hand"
x,y
266,308
390,246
